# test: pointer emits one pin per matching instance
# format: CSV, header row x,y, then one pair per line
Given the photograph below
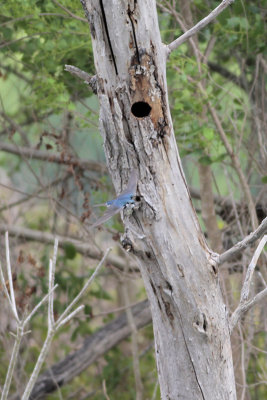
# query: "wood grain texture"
x,y
190,321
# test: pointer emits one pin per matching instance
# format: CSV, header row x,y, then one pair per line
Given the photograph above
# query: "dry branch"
x,y
55,158
88,79
246,304
84,248
94,347
240,246
200,25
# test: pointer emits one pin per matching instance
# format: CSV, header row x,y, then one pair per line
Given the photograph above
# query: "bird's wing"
x,y
112,210
100,205
132,184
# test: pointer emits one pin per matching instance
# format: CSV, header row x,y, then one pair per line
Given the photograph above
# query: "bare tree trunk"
x,y
190,321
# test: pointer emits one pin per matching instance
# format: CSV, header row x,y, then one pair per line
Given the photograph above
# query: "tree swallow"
x,y
125,198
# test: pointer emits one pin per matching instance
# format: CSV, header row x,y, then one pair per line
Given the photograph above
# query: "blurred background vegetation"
x,y
47,111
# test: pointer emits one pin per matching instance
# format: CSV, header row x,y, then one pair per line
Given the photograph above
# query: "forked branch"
x,y
246,304
53,325
240,246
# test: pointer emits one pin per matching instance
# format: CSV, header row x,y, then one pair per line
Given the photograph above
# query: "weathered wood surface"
x,y
190,322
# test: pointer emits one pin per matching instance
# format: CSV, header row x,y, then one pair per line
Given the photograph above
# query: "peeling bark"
x,y
190,321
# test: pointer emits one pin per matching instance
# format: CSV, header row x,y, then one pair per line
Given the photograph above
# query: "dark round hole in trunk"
x,y
141,109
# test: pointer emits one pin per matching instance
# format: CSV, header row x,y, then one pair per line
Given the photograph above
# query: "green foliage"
x,y
37,39
70,250
42,40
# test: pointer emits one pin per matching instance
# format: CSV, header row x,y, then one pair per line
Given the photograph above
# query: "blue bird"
x,y
125,198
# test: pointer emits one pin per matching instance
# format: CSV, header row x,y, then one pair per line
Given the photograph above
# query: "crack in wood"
x,y
108,37
187,349
130,14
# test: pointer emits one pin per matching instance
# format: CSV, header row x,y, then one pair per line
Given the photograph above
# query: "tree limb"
x,y
246,304
89,79
55,158
227,74
201,24
84,248
240,246
243,308
69,12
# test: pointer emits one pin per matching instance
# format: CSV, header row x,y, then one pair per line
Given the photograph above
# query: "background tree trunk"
x,y
190,321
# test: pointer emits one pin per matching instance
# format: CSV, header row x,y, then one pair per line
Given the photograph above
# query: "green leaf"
x,y
208,133
264,179
70,251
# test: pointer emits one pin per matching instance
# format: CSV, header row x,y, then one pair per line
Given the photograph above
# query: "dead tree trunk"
x,y
190,321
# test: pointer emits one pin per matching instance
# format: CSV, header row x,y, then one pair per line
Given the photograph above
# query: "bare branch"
x,y
201,24
93,347
235,160
246,304
71,315
81,293
251,268
239,81
12,363
17,127
38,365
36,308
240,246
36,194
69,12
10,279
84,248
243,308
3,282
134,342
32,16
20,324
52,325
88,79
55,158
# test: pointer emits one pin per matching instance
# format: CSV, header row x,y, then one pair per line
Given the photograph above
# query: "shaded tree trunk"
x,y
190,321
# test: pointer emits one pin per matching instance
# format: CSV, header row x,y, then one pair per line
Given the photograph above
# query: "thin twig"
x,y
71,315
87,284
246,304
52,281
6,291
10,279
38,365
240,246
29,196
235,160
13,361
134,343
20,323
36,308
242,309
54,158
64,318
201,24
105,390
251,268
32,16
82,247
50,297
69,12
243,372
